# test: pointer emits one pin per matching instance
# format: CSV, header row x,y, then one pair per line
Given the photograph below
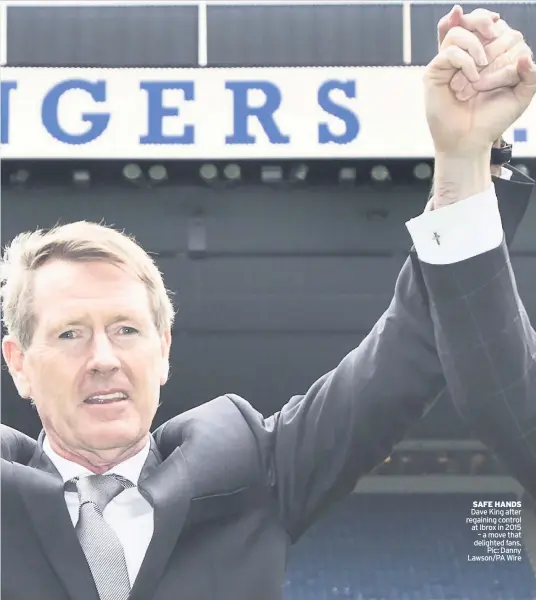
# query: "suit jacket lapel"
x,y
168,489
41,488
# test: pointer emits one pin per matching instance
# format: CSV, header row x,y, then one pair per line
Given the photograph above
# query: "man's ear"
x,y
15,359
165,346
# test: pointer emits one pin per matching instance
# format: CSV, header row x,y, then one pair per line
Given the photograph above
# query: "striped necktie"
x,y
103,550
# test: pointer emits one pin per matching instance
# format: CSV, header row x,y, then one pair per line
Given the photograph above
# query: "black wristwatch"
x,y
502,155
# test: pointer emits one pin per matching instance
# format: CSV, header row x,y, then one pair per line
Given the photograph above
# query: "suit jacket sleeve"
x,y
487,349
15,445
320,443
513,200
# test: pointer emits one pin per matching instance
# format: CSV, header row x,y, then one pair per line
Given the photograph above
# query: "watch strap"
x,y
501,155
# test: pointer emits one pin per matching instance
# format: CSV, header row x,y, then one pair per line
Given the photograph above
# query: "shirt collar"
x,y
129,469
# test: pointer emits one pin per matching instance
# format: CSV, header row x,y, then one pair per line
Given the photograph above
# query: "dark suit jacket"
x,y
232,490
487,349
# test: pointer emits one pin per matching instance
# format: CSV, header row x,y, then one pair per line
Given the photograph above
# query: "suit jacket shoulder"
x,y
16,446
224,444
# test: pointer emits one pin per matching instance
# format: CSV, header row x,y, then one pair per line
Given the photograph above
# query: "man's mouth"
x,y
109,398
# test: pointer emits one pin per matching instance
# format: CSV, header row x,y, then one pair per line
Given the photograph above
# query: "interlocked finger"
x,y
506,42
502,52
480,21
451,59
504,72
505,77
468,41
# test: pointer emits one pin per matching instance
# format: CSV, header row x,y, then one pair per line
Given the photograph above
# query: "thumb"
x,y
526,88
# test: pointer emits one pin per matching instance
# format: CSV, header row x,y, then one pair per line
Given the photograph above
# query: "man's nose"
x,y
103,355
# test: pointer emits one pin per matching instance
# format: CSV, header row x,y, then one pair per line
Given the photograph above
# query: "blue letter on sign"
x,y
49,111
157,112
264,113
5,88
344,114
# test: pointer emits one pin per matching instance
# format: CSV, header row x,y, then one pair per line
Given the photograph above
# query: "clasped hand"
x,y
480,82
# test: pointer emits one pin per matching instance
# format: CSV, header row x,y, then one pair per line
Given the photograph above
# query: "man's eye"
x,y
67,335
128,330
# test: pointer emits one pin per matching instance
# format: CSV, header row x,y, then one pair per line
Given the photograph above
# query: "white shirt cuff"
x,y
459,231
506,173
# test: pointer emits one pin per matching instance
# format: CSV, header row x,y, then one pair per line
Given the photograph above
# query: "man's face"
x,y
94,335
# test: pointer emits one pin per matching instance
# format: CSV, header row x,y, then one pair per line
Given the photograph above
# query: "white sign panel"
x,y
266,113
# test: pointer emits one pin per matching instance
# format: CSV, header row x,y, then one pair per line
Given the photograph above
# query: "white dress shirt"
x,y
459,231
129,514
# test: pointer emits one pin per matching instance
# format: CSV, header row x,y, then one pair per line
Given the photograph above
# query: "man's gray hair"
x,y
81,241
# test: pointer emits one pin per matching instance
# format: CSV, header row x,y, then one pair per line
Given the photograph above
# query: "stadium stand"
x,y
402,547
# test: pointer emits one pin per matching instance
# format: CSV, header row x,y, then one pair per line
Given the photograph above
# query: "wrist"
x,y
457,177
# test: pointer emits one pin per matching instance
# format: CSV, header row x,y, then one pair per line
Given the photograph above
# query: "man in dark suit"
x,y
207,506
485,341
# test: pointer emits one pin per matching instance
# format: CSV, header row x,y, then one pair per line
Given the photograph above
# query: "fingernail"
x,y
483,62
457,86
465,95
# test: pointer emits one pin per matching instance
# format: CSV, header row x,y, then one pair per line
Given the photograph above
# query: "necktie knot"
x,y
99,489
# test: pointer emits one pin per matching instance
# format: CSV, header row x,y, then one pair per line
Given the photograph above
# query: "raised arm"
x,y
487,348
349,420
485,341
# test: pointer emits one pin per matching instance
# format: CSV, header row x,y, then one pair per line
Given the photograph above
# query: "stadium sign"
x,y
265,113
